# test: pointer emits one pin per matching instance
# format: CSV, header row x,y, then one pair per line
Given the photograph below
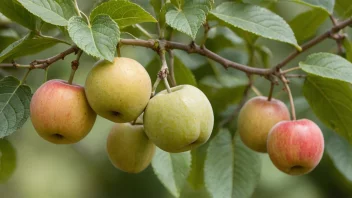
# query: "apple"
x,y
257,117
129,149
118,91
295,147
179,121
60,112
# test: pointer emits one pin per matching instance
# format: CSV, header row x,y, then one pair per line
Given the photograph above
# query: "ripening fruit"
x,y
257,117
129,149
295,147
118,91
179,121
60,112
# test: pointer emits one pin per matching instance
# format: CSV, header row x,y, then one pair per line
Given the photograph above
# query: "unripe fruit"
x,y
60,112
295,147
118,91
257,117
179,121
128,147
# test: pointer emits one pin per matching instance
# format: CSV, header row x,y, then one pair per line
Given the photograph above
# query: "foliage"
x,y
214,34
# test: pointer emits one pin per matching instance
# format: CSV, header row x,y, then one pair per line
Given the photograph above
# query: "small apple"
x,y
180,120
129,149
60,112
295,147
118,91
257,117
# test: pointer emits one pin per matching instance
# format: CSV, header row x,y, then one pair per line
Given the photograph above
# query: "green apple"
x,y
257,117
129,149
180,120
60,112
118,91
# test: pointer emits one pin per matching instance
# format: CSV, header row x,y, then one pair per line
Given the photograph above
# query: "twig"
x,y
164,70
74,66
256,90
145,32
338,38
290,70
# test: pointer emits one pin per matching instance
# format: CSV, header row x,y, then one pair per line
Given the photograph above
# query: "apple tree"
x,y
198,90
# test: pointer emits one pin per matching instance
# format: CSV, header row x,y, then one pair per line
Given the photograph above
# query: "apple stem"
x,y
285,81
73,71
271,91
156,83
167,85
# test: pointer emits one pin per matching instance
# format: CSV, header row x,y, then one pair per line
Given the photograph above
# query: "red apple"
x,y
295,147
60,112
257,117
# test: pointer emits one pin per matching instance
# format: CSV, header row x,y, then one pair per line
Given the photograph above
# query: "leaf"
x,y
256,20
219,164
246,171
157,5
98,39
172,169
30,44
183,75
190,17
231,169
328,66
7,36
330,101
14,105
339,151
348,48
123,12
56,12
306,24
8,160
327,5
17,13
224,91
343,8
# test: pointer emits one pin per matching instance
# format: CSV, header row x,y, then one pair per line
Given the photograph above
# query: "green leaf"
x,y
190,17
256,20
246,171
231,169
56,12
183,75
30,44
8,160
306,24
219,164
98,39
343,8
339,151
348,48
14,105
327,5
17,13
123,12
224,91
330,100
172,169
157,5
7,36
329,66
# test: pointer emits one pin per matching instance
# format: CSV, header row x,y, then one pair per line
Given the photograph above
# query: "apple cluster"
x,y
294,146
121,92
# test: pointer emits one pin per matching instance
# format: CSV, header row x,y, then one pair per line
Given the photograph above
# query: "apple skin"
x,y
179,121
118,91
257,117
295,147
60,112
129,149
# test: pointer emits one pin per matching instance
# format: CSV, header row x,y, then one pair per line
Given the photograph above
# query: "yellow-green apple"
x,y
118,91
295,147
180,120
257,117
60,112
129,149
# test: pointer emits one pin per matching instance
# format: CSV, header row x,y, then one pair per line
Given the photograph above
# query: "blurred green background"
x,y
83,170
